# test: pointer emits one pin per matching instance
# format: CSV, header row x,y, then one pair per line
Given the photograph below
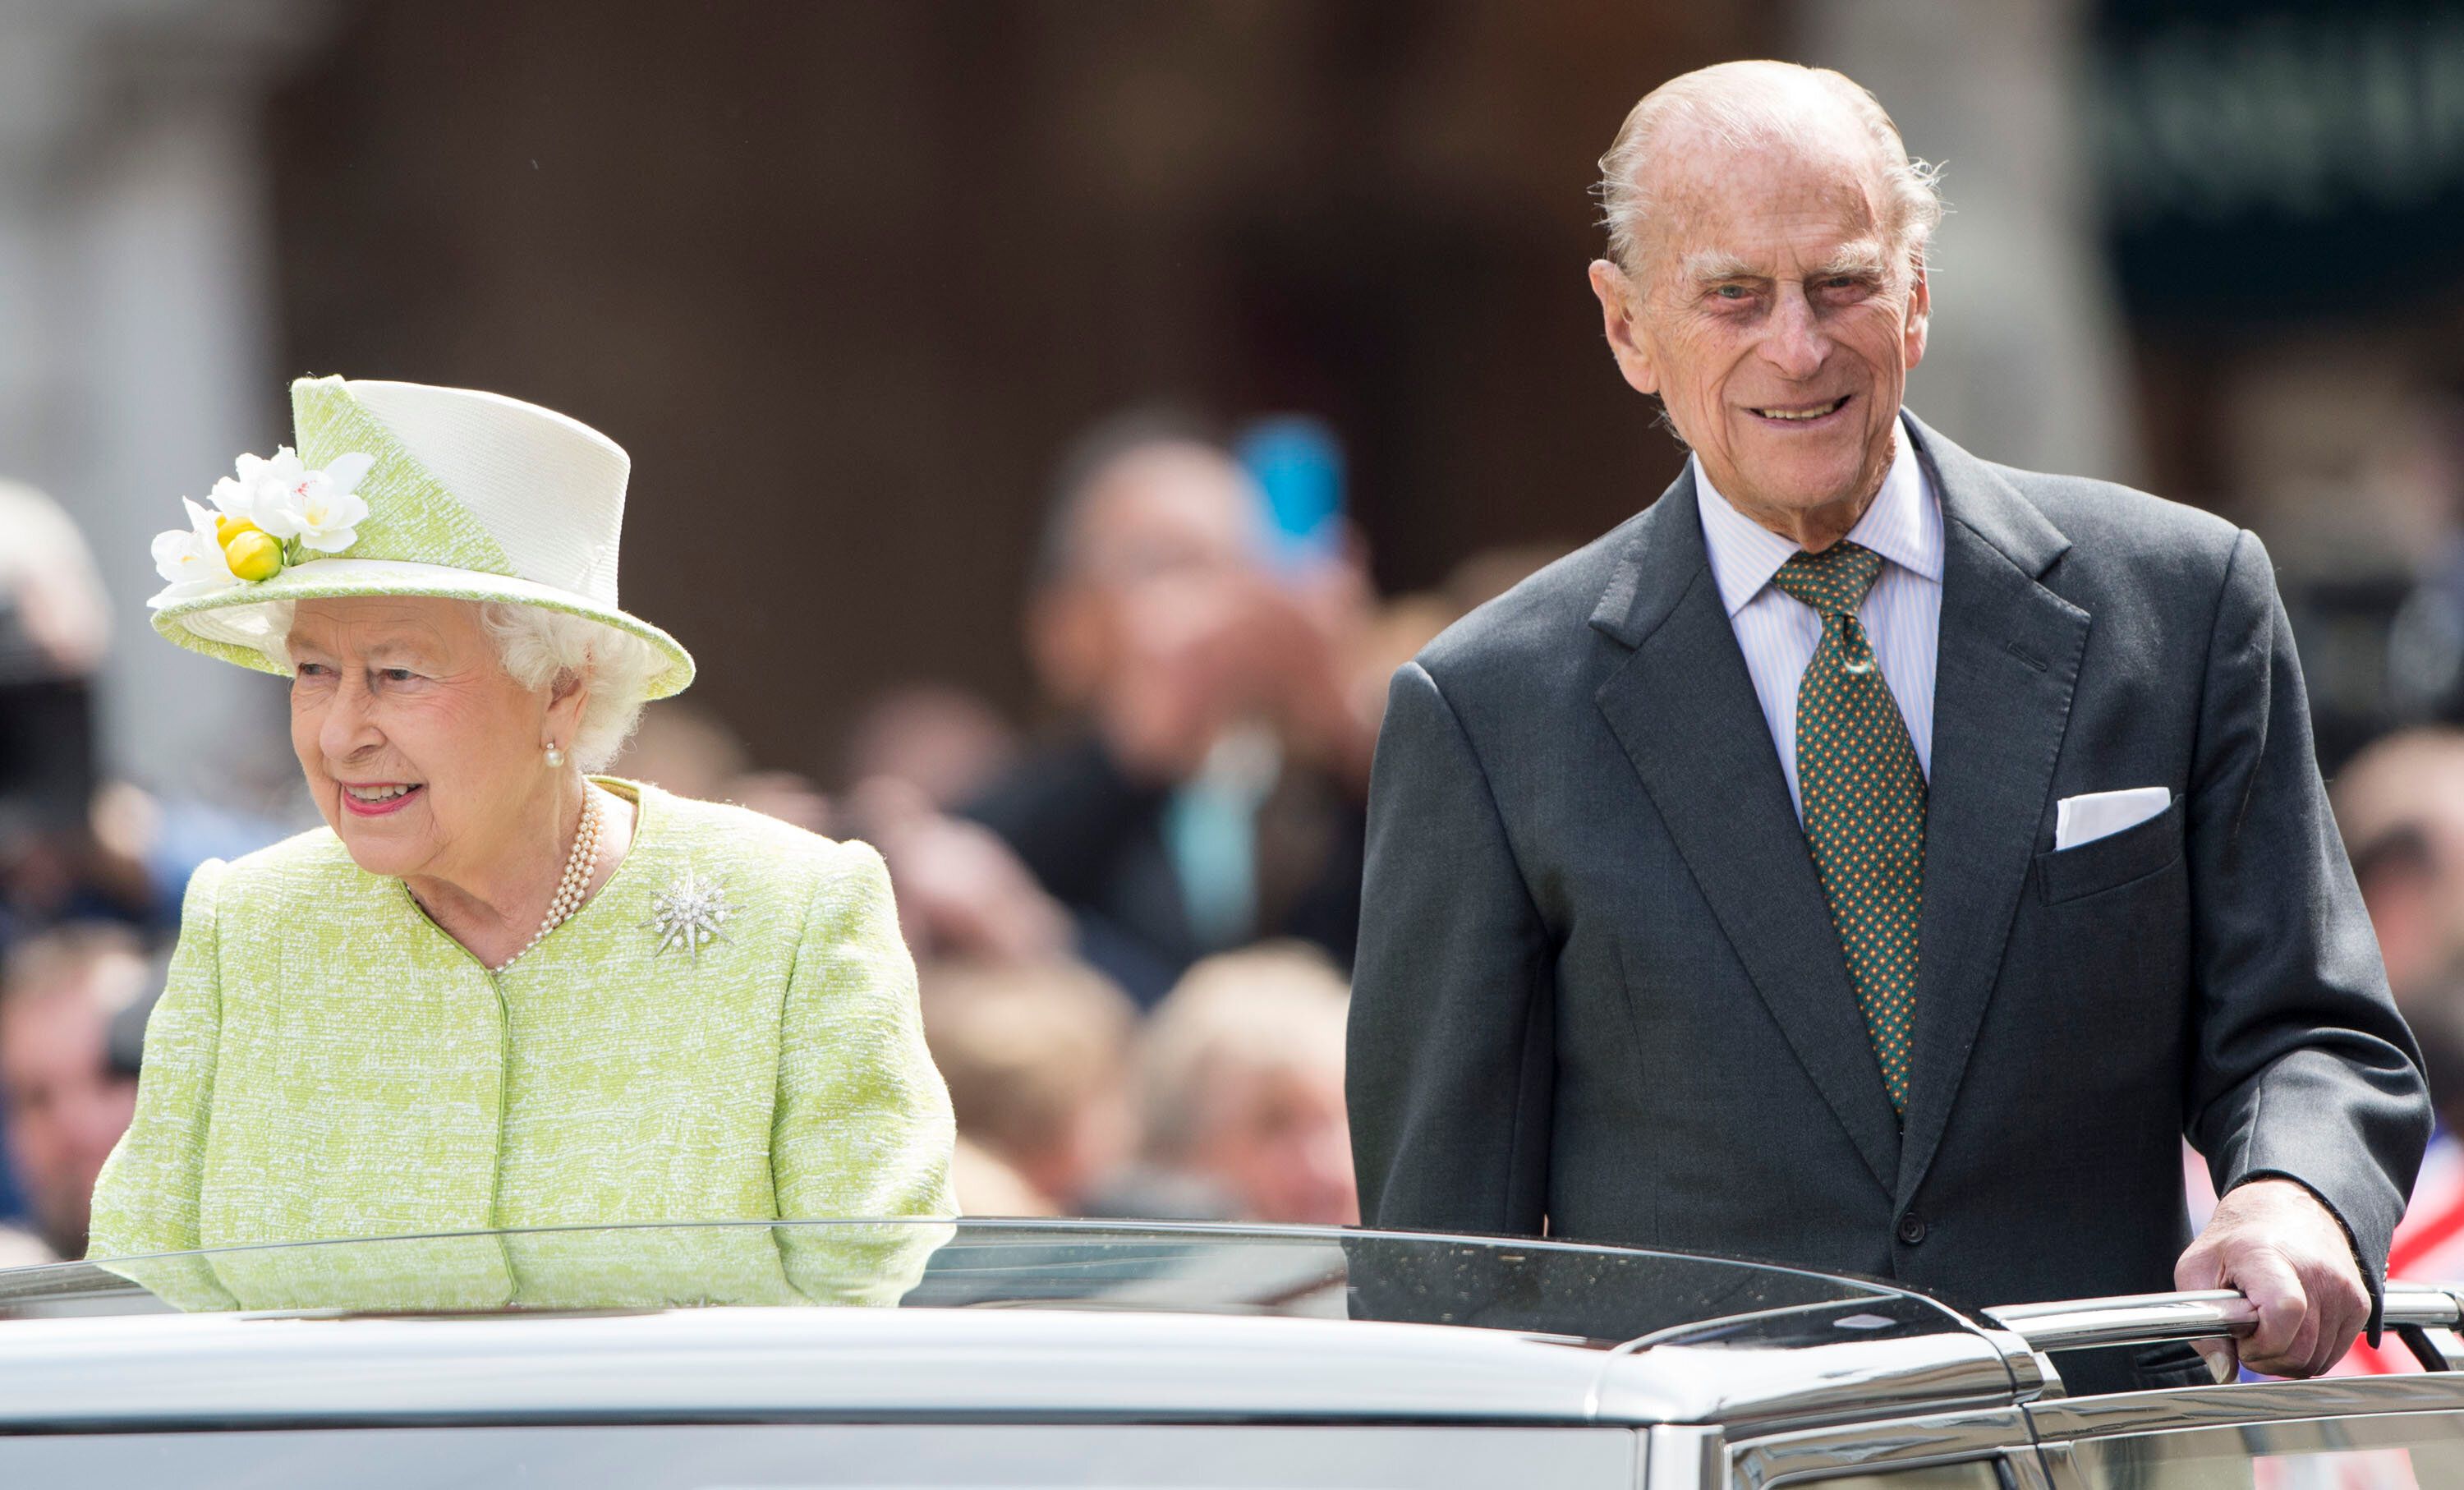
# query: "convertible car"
x,y
1013,1353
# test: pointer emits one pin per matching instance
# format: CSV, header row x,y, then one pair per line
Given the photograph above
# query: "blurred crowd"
x,y
1133,911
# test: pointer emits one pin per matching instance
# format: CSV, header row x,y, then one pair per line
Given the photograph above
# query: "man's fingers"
x,y
2279,1245
2343,1307
2288,1327
2199,1269
2196,1271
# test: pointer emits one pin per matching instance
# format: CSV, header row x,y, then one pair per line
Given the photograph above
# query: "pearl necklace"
x,y
574,886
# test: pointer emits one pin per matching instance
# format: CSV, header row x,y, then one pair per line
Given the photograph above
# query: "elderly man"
x,y
1869,857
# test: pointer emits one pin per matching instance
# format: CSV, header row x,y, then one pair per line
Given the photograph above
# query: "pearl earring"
x,y
554,757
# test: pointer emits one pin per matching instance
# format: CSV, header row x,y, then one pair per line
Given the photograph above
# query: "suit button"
x,y
1912,1228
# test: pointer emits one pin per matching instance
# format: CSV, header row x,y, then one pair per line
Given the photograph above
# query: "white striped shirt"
x,y
1901,614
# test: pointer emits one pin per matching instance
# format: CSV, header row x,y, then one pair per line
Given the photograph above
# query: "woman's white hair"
x,y
538,648
1762,103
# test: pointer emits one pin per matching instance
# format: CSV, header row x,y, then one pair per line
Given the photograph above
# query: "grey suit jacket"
x,y
1599,991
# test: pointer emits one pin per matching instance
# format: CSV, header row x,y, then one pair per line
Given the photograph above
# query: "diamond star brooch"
x,y
689,914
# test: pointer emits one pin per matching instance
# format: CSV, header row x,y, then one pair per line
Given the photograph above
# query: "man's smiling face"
x,y
1776,316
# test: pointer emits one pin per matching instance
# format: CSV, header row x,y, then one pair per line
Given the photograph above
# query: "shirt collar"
x,y
1904,525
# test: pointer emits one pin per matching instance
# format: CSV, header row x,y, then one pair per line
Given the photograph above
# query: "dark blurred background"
x,y
845,277
853,281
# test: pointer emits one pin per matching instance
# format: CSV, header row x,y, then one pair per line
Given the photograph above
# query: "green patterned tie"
x,y
1864,802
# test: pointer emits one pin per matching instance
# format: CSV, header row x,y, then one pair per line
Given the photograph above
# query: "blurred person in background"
x,y
690,752
74,846
1037,1058
962,892
943,741
67,1091
1241,1094
53,627
912,756
1209,790
2400,806
1403,625
683,748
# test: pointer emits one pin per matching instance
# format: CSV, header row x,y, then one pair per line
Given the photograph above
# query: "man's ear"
x,y
1920,314
1620,302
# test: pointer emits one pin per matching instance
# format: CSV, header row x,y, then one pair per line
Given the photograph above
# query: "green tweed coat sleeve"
x,y
147,1199
864,1126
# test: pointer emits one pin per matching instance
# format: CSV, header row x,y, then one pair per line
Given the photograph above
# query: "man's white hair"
x,y
537,648
1760,104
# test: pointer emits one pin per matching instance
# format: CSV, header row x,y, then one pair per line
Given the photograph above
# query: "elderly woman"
x,y
495,991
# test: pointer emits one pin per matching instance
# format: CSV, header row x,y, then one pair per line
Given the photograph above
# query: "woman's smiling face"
x,y
424,757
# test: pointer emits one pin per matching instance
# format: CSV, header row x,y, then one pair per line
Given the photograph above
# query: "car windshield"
x,y
1581,1293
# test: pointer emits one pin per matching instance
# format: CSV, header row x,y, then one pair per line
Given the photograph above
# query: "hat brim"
x,y
237,624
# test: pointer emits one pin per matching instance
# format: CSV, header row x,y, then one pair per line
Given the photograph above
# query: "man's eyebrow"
x,y
1862,260
1713,266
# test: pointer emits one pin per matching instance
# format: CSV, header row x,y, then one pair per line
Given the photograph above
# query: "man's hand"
x,y
2274,1241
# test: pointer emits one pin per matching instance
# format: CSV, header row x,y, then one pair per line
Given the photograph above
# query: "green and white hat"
x,y
403,489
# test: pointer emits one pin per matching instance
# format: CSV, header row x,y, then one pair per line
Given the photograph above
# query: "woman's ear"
x,y
565,697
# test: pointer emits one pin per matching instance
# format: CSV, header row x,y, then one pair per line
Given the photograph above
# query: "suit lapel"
x,y
1683,707
2009,660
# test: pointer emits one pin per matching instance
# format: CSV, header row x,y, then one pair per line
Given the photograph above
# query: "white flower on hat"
x,y
261,492
329,510
288,501
191,558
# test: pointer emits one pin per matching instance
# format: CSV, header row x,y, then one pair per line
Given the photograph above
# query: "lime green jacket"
x,y
327,1063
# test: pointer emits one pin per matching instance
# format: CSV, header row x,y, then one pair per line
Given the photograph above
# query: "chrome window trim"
x,y
1908,1443
1754,1392
2032,1375
2282,1436
1683,1457
2071,1419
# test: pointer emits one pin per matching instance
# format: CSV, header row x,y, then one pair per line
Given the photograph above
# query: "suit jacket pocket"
x,y
2112,861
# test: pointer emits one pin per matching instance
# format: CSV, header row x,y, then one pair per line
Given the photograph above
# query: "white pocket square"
x,y
2085,818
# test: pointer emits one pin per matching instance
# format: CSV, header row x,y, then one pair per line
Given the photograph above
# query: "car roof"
x,y
1034,1318
790,1364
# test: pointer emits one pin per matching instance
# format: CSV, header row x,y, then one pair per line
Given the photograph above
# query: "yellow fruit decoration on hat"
x,y
253,555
